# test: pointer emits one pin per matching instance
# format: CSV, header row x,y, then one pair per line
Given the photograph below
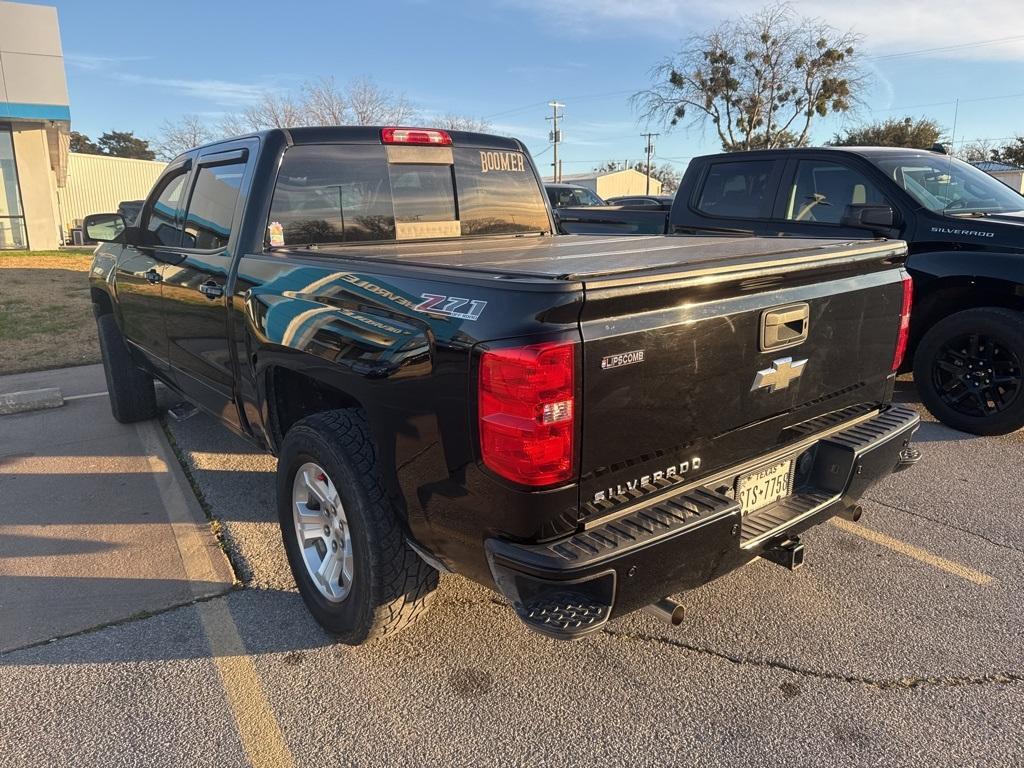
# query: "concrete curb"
x,y
30,400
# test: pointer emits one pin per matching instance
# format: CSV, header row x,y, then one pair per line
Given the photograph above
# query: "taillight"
x,y
527,410
432,136
904,334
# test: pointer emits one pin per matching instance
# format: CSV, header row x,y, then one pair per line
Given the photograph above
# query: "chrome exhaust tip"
x,y
852,513
667,610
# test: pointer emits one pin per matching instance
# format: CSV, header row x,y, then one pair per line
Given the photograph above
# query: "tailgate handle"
x,y
784,327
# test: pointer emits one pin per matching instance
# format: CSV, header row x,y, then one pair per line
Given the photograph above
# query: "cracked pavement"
x,y
866,656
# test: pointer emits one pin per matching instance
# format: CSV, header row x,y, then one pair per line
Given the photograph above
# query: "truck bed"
x,y
590,257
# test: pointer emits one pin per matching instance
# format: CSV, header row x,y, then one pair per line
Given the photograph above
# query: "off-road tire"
x,y
391,584
131,391
1004,326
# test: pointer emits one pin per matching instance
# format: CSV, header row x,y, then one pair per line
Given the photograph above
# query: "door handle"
x,y
211,290
785,326
153,276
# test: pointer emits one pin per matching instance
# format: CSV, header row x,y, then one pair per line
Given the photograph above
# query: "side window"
x,y
738,190
331,194
821,190
160,224
211,208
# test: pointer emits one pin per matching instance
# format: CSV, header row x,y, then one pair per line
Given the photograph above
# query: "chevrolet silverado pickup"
x,y
588,425
964,230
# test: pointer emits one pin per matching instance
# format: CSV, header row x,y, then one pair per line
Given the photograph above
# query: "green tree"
x,y
1011,153
895,132
82,143
125,144
760,81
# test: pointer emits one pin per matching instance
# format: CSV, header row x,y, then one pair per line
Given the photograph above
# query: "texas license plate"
x,y
765,486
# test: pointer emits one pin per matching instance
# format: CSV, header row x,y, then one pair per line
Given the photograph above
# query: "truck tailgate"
x,y
690,373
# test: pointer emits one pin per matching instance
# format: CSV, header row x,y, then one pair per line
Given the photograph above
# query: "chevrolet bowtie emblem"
x,y
780,375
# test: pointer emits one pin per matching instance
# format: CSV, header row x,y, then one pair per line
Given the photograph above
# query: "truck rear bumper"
x,y
570,587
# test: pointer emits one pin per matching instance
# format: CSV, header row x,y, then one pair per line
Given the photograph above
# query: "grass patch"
x,y
45,311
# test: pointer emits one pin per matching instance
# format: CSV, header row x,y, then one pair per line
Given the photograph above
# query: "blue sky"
x,y
131,65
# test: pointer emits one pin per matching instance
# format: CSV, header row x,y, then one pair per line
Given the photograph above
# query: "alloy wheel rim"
x,y
322,532
977,375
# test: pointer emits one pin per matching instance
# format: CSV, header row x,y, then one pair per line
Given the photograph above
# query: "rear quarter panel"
x,y
370,334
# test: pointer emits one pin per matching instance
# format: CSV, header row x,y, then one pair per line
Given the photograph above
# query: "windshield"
x,y
573,197
944,184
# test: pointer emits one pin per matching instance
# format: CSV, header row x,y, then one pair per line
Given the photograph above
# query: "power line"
x,y
944,48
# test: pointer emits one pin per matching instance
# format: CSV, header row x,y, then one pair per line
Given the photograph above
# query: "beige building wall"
x,y
1013,179
628,182
38,186
98,184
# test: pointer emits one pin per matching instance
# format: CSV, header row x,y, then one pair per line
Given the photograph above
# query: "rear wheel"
x,y
130,389
345,545
969,370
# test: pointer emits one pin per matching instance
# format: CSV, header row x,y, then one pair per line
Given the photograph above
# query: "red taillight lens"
x,y
904,334
432,136
527,405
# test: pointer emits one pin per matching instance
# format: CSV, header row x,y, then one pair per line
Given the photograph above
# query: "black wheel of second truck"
x,y
969,370
345,544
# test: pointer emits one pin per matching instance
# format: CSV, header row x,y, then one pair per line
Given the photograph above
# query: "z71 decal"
x,y
452,306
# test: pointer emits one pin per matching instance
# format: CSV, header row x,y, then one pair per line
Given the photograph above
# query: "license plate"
x,y
765,486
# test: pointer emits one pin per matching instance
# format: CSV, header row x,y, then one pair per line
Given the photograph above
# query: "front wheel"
x,y
969,370
131,391
345,545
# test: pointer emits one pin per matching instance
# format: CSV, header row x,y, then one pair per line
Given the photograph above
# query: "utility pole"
x,y
556,137
650,149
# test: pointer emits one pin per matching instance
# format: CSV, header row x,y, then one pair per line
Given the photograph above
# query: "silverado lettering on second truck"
x,y
586,424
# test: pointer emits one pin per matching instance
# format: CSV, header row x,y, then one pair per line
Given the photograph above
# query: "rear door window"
x,y
738,190
211,208
821,190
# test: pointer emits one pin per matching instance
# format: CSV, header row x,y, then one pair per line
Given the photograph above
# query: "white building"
x,y
34,124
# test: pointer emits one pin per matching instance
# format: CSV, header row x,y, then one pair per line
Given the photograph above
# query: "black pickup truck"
x,y
964,230
586,424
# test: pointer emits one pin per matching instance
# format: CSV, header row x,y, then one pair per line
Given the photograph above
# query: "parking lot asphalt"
x,y
97,523
897,644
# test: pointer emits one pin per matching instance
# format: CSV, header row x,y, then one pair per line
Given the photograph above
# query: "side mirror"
x,y
105,227
876,218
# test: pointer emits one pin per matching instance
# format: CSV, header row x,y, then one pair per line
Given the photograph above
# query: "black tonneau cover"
x,y
588,257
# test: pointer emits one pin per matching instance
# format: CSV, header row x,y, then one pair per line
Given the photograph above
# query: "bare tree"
x,y
454,122
368,104
760,80
323,103
188,132
271,111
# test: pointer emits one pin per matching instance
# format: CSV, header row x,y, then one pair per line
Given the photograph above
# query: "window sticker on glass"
x,y
502,161
276,233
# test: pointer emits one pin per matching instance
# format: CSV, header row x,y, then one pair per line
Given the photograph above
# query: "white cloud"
x,y
889,27
93,63
219,91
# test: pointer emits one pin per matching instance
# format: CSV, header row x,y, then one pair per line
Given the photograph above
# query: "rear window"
x,y
356,193
737,190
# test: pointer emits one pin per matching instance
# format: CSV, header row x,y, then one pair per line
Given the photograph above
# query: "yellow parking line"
x,y
258,729
921,555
